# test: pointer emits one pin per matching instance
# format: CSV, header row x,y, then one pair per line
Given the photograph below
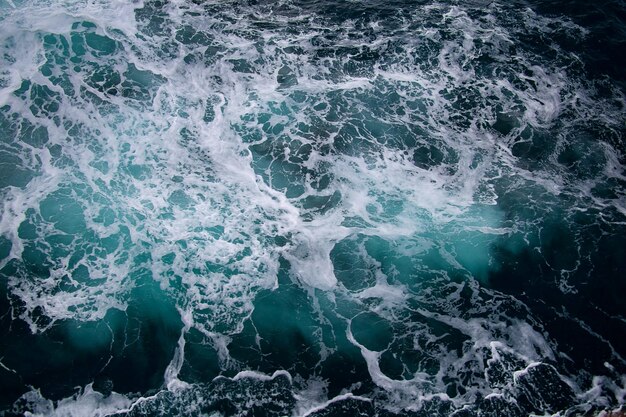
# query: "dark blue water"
x,y
312,208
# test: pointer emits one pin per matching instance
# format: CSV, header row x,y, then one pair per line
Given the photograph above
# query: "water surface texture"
x,y
312,208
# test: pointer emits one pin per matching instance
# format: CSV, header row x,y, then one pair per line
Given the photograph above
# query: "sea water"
x,y
312,208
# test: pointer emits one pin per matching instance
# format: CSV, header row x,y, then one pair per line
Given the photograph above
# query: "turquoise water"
x,y
311,208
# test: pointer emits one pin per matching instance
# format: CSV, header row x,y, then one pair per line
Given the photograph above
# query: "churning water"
x,y
312,208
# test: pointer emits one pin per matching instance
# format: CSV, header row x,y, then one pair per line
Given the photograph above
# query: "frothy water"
x,y
310,209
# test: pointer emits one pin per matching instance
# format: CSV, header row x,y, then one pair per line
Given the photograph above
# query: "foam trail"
x,y
171,381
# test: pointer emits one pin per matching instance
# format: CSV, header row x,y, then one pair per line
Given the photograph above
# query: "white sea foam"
x,y
88,403
260,376
331,401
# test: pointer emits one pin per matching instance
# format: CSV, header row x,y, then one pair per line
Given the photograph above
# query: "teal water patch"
x,y
371,331
283,329
126,351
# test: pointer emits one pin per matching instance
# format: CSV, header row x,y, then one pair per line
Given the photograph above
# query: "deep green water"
x,y
312,208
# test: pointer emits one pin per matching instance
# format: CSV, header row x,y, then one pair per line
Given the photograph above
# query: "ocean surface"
x,y
312,208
